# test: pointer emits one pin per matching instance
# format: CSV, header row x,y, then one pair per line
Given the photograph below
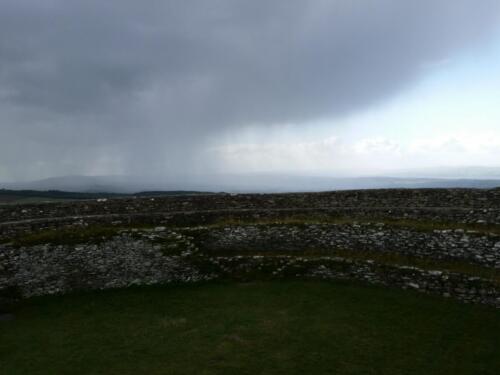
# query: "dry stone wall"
x,y
468,246
191,239
481,218
145,257
125,260
476,201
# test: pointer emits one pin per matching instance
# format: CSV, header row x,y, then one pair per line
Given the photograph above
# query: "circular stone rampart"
x,y
437,241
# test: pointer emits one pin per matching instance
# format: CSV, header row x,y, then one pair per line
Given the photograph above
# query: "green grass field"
x,y
292,327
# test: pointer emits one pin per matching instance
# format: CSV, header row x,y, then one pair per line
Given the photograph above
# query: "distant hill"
x,y
258,182
85,184
34,196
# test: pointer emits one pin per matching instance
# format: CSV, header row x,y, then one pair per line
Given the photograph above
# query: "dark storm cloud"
x,y
140,84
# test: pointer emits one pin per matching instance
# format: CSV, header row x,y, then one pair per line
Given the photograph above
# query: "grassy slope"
x,y
261,328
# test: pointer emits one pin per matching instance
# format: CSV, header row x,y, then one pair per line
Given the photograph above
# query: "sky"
x,y
324,87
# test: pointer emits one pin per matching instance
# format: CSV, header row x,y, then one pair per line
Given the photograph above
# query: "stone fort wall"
x,y
444,242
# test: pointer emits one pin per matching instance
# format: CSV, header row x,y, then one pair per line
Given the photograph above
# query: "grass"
x,y
259,328
96,233
67,236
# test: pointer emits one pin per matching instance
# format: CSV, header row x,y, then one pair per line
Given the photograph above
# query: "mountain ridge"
x,y
239,183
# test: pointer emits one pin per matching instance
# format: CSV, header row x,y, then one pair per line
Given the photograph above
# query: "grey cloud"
x,y
152,79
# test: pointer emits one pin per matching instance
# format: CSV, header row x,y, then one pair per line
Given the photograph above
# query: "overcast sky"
x,y
330,87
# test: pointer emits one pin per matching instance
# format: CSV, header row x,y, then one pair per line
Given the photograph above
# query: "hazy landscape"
x,y
481,178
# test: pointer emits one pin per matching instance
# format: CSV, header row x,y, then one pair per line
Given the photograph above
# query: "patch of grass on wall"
x,y
67,236
397,259
378,257
5,240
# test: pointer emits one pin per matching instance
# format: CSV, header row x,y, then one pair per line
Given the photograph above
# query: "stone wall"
x,y
321,235
467,246
152,256
465,288
479,218
469,199
124,260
